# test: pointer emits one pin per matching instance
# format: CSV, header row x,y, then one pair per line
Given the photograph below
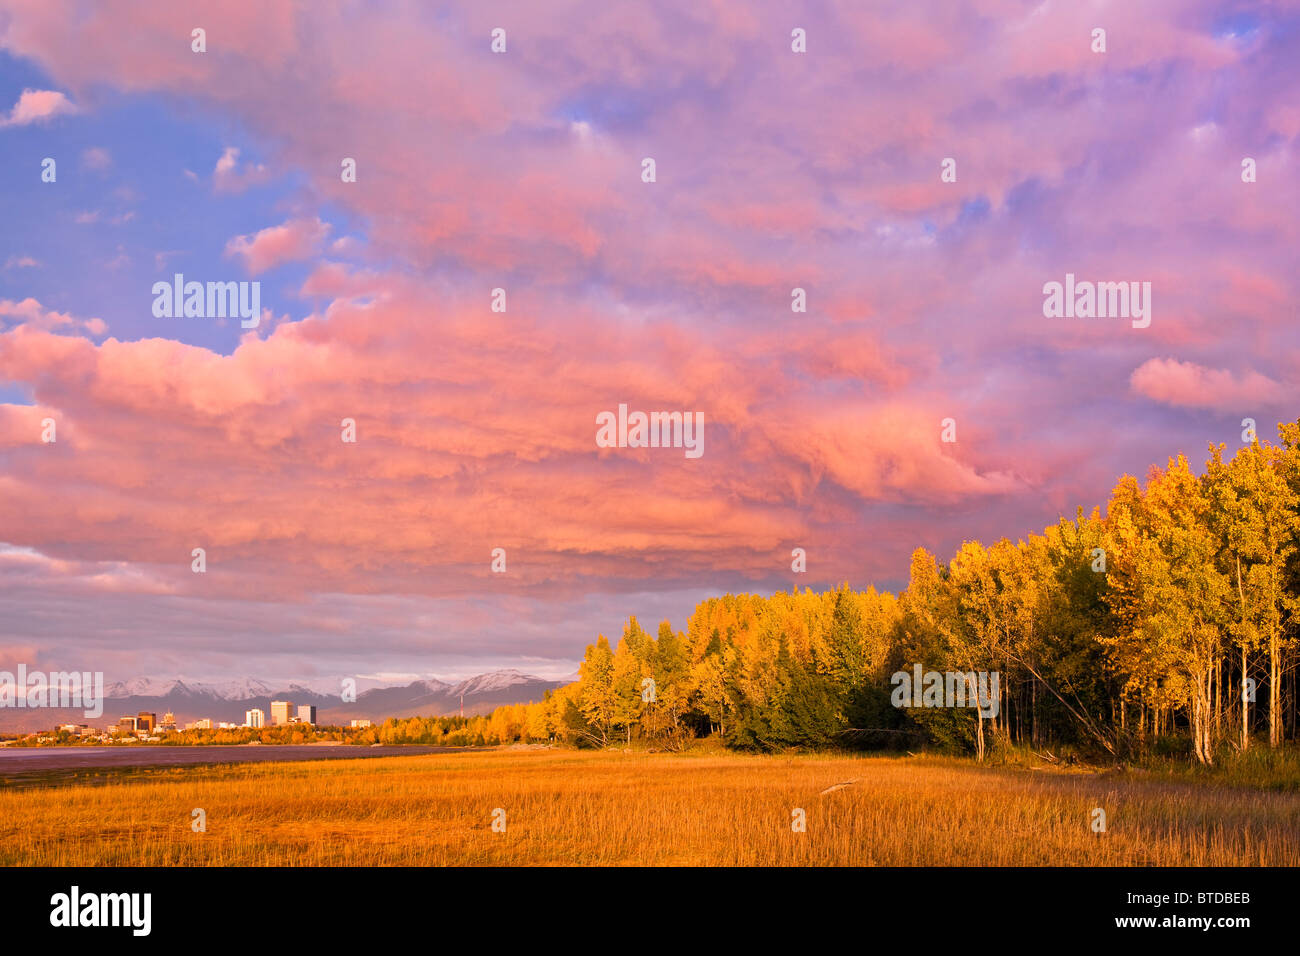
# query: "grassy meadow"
x,y
615,808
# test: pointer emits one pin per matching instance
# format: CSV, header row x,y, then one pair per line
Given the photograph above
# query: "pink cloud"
x,y
292,240
229,176
333,280
96,157
30,314
1188,384
445,461
775,170
38,106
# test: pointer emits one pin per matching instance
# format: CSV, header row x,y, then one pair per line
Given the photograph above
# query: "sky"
x,y
523,170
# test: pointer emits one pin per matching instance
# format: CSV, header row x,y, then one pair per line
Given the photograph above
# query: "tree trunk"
x,y
1245,705
1033,733
1274,692
1216,697
1203,719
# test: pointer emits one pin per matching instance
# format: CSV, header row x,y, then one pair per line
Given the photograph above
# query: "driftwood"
x,y
840,786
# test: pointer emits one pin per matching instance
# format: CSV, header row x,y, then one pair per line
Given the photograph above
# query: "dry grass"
x,y
566,807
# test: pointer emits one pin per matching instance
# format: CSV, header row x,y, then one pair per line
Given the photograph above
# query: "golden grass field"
x,y
614,808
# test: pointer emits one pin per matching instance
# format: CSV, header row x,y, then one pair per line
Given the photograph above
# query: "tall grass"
x,y
568,807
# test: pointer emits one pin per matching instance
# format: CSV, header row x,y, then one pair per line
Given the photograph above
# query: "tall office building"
x,y
307,714
126,725
280,711
254,717
146,721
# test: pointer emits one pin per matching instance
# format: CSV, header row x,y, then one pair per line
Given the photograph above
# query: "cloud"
x,y
21,262
91,216
1190,385
96,157
119,261
229,176
775,171
38,106
291,240
160,259
29,315
468,439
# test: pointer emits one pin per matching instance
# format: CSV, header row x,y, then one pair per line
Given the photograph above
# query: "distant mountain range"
x,y
228,700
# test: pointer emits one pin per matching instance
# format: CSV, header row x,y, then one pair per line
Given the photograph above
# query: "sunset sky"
x,y
522,171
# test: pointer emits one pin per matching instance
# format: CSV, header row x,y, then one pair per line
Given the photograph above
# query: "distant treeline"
x,y
446,731
1169,625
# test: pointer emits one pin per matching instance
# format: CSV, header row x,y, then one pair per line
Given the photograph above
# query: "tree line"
x,y
1167,625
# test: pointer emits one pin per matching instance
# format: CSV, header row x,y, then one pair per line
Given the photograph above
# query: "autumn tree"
x,y
1258,521
597,700
1167,592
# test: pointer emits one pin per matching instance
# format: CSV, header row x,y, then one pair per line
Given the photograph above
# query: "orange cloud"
x,y
475,430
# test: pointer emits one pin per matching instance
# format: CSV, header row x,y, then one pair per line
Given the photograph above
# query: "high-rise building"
x,y
307,714
168,721
280,711
203,723
146,721
254,718
126,725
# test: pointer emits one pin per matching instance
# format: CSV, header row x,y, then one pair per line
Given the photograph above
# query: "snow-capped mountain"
x,y
492,683
140,687
228,700
241,689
